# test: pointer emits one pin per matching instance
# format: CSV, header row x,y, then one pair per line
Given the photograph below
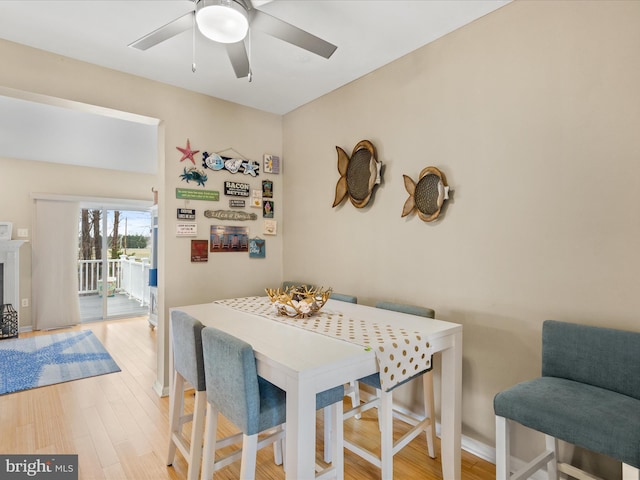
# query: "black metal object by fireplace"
x,y
8,321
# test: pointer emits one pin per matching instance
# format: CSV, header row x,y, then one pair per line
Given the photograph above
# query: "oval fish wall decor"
x,y
427,196
359,174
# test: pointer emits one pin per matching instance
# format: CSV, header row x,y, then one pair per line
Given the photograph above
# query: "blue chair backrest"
x,y
343,297
410,309
233,386
602,357
288,283
186,334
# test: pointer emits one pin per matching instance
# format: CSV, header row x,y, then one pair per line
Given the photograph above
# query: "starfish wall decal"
x,y
187,153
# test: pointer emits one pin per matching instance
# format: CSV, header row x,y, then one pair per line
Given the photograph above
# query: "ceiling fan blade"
x,y
239,58
290,34
171,29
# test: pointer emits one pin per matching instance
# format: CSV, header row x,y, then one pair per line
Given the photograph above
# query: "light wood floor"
x,y
119,427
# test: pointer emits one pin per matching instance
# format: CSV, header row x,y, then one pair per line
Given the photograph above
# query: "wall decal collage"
x,y
221,236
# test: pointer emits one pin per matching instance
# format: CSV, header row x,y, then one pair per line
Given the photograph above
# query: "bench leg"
x,y
630,473
503,451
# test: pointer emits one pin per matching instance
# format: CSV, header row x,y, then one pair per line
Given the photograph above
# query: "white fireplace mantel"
x,y
10,257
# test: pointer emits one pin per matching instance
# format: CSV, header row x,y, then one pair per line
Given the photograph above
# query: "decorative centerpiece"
x,y
298,301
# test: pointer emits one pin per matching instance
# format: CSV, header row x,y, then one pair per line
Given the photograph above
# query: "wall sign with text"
x,y
257,248
191,194
237,189
186,229
186,214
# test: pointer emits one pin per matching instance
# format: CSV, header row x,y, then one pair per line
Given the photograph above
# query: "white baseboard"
x,y
160,390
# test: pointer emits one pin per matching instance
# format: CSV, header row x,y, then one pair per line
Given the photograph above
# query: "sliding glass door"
x,y
114,254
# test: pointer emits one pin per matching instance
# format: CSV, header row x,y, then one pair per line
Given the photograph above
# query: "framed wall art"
x,y
267,189
5,230
270,227
199,251
271,164
226,238
267,208
257,247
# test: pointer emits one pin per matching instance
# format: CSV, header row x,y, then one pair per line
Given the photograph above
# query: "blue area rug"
x,y
47,359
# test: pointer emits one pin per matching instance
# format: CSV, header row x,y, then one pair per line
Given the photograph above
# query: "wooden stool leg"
x,y
197,430
379,395
503,451
328,415
552,465
175,426
210,433
249,453
354,386
630,473
278,449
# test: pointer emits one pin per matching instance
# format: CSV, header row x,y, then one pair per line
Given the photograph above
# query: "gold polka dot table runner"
x,y
400,353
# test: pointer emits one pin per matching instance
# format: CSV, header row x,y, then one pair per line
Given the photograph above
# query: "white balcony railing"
x,y
126,275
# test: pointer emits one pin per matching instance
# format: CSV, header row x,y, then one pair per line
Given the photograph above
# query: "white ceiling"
x,y
369,34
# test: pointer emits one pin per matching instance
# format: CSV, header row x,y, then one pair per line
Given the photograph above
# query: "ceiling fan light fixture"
x,y
223,21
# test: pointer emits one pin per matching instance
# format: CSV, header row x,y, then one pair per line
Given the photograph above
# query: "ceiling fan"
x,y
227,22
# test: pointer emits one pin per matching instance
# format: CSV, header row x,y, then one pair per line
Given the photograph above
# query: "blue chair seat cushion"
x,y
329,397
591,417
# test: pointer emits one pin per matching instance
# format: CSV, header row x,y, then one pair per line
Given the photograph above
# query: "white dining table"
x,y
303,363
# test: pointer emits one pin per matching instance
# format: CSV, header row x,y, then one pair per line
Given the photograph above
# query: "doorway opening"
x,y
114,258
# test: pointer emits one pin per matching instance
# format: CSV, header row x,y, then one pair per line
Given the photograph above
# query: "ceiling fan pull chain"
x,y
250,75
193,31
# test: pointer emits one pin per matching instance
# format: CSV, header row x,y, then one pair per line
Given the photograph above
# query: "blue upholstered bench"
x,y
588,395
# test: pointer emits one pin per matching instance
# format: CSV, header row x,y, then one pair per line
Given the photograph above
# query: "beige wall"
x,y
210,124
532,112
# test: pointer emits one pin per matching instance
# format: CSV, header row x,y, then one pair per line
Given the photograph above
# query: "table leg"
x,y
300,430
451,409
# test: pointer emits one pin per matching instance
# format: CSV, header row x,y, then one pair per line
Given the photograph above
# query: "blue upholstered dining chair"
x,y
252,403
188,366
384,402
